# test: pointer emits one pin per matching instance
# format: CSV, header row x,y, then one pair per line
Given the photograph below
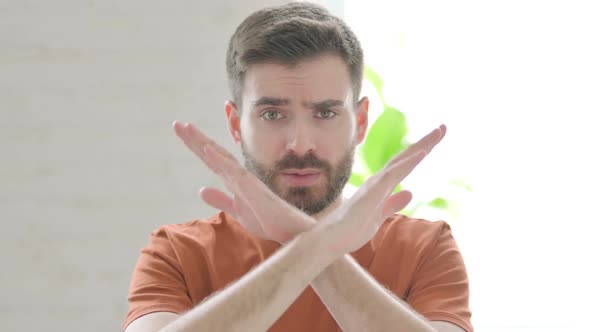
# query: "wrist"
x,y
305,225
323,239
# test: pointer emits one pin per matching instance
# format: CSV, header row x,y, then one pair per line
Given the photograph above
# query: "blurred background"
x,y
90,165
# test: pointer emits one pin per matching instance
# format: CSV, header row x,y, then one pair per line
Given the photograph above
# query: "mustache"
x,y
309,160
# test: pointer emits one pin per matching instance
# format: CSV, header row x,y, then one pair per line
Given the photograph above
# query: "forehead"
x,y
322,77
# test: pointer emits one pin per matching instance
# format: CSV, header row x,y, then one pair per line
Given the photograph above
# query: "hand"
x,y
267,216
357,221
260,211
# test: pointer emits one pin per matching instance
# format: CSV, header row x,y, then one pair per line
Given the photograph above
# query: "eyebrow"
x,y
272,101
324,104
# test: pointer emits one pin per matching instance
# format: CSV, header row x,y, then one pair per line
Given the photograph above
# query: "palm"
x,y
260,211
237,208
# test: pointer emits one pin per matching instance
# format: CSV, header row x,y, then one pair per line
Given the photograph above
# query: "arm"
x,y
359,303
256,300
439,287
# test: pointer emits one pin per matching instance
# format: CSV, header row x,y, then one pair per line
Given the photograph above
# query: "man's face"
x,y
298,129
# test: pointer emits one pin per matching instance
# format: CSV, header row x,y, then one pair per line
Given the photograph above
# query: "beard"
x,y
309,199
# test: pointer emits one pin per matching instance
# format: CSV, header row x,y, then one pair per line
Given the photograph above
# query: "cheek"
x,y
339,133
331,144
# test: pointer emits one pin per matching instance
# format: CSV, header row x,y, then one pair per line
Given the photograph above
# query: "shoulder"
x,y
437,281
411,224
419,234
174,242
414,243
218,238
172,272
198,230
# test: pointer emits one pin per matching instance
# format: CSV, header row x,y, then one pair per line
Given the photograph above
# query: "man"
x,y
276,257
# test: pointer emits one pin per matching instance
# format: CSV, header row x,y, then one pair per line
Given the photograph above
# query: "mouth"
x,y
301,177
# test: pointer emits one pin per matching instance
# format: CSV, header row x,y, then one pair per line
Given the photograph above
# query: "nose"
x,y
300,141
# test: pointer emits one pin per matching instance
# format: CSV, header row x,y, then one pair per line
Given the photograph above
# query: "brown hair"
x,y
287,35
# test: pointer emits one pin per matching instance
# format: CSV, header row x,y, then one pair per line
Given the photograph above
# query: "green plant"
x,y
385,139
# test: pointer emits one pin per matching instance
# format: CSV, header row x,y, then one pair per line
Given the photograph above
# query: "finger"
x,y
395,173
218,199
381,184
196,135
194,142
201,140
395,203
235,177
229,167
426,143
195,139
179,130
443,129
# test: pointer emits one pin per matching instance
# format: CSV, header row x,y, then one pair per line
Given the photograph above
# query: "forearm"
x,y
260,297
359,303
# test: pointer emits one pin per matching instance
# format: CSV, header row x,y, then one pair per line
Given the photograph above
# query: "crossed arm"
x,y
254,302
312,255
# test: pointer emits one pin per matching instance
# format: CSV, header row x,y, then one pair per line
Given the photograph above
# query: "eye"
x,y
272,115
326,114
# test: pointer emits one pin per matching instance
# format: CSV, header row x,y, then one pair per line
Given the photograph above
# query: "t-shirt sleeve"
x,y
440,290
157,283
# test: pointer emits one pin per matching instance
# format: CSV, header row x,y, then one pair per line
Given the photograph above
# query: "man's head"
x,y
295,74
287,35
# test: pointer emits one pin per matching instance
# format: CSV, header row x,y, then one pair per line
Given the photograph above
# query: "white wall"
x,y
89,162
511,79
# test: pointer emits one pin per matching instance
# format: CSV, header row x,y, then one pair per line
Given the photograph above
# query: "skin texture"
x,y
312,114
315,246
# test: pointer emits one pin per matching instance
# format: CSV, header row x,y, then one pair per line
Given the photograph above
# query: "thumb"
x,y
396,202
217,199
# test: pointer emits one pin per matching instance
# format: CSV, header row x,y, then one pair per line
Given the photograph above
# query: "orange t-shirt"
x,y
416,259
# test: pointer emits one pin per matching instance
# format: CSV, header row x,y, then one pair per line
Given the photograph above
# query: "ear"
x,y
362,119
233,120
